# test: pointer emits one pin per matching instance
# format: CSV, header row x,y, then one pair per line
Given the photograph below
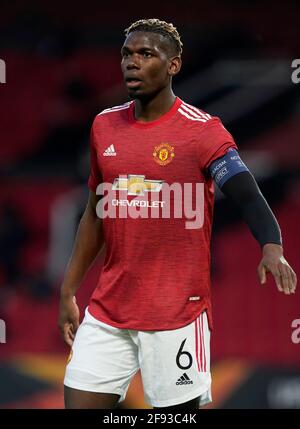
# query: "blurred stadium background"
x,y
62,68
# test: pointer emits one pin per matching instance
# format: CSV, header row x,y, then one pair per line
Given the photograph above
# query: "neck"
x,y
152,109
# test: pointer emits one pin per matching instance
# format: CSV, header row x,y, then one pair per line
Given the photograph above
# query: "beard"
x,y
142,96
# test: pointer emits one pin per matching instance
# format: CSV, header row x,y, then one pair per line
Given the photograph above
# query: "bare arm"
x,y
89,242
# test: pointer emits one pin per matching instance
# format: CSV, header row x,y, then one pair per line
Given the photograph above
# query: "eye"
x,y
148,54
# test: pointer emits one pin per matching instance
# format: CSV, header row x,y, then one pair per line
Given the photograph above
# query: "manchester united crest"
x,y
163,154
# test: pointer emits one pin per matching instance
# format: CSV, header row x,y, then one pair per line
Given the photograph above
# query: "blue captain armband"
x,y
226,167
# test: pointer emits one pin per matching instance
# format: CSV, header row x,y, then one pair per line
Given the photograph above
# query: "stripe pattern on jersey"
x,y
116,108
200,344
192,113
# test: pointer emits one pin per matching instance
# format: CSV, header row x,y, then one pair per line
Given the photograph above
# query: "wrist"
x,y
272,248
67,292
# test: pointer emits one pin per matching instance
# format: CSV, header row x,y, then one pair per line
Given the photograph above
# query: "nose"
x,y
132,63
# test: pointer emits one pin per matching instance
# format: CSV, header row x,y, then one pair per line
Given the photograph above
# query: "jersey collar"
x,y
166,116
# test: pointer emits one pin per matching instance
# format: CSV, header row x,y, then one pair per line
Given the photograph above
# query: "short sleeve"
x,y
213,142
95,177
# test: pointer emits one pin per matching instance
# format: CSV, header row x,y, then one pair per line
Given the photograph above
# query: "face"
x,y
147,64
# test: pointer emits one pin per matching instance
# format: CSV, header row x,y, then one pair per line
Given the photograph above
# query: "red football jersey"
x,y
156,273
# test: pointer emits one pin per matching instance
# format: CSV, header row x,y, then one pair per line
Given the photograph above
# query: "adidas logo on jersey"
x,y
184,379
110,151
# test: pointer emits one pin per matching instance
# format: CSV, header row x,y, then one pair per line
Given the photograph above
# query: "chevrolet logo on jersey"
x,y
136,185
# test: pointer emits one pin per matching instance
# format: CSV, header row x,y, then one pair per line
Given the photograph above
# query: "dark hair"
x,y
155,25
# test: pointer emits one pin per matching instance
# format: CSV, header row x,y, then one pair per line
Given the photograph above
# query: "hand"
x,y
274,262
68,321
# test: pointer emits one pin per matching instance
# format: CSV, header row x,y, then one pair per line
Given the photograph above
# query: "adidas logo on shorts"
x,y
184,379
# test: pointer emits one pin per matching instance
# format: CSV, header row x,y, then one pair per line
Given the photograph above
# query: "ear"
x,y
174,66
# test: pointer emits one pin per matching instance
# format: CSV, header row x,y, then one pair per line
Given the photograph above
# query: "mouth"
x,y
133,82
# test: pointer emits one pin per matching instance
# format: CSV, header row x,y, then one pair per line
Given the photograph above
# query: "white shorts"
x,y
174,364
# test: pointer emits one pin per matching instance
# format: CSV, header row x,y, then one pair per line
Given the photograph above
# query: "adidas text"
x,y
184,382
